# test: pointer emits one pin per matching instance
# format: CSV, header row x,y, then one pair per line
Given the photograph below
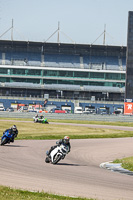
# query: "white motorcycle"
x,y
57,154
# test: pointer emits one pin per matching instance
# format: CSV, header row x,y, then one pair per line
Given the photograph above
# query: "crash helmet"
x,y
36,115
14,128
66,139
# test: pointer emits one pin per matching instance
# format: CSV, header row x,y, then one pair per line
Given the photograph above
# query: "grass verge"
x,y
31,130
127,163
117,123
13,194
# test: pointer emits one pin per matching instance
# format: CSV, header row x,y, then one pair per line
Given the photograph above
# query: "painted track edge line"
x,y
115,167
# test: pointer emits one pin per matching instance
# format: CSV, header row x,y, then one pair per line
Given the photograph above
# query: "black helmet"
x,y
66,139
14,128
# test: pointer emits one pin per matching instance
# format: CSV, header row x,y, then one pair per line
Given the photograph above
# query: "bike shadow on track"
x,y
12,145
69,164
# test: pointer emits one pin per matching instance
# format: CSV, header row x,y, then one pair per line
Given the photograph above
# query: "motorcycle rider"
x,y
64,141
13,130
36,118
36,115
41,116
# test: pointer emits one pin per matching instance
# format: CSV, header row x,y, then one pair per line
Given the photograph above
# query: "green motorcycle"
x,y
40,120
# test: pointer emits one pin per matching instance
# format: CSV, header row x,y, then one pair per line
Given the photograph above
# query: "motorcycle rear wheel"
x,y
47,160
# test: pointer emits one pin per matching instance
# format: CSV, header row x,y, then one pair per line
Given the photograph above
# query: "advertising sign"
x,y
128,108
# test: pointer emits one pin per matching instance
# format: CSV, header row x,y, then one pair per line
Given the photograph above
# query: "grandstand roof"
x,y
62,48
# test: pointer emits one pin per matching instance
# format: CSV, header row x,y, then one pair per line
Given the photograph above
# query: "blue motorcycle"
x,y
6,138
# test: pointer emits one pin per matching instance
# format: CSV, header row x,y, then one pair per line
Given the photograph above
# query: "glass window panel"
x,y
122,76
50,73
48,81
18,80
81,74
65,73
3,71
33,72
17,71
31,80
70,82
96,75
4,79
112,76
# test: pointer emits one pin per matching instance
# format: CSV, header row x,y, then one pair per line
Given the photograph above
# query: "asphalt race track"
x,y
22,166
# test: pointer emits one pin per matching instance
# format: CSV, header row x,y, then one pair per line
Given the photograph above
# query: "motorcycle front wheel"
x,y
4,141
56,159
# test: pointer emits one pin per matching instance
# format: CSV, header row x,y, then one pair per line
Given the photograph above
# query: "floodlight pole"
x,y
58,38
51,35
12,31
104,34
11,28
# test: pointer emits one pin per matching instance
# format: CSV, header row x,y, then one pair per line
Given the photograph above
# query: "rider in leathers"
x,y
64,141
13,130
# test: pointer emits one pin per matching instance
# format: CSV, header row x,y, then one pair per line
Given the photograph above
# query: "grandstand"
x,y
67,71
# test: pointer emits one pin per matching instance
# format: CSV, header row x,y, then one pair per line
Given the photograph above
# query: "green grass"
x,y
13,194
117,123
127,163
33,130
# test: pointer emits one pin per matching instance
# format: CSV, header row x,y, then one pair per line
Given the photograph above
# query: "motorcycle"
x,y
43,120
6,138
57,154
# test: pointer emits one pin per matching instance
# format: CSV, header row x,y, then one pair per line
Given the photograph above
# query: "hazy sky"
x,y
83,21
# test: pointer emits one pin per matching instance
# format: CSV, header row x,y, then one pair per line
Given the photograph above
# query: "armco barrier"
x,y
87,117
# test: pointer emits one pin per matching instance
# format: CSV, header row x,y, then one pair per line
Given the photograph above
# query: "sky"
x,y
76,21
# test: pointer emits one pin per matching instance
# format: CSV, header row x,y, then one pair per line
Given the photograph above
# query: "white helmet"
x,y
14,128
66,139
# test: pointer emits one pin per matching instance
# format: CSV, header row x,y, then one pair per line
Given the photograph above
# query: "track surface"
x,y
22,166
